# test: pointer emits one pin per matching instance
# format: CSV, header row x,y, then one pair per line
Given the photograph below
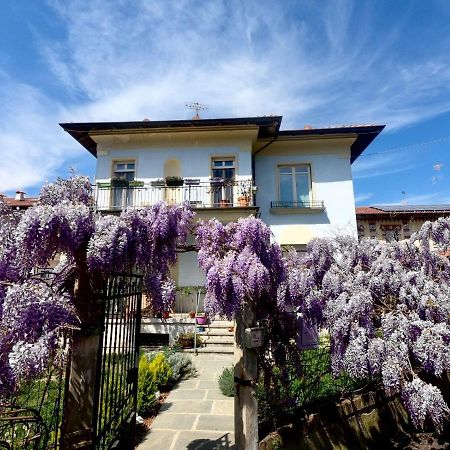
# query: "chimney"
x,y
20,195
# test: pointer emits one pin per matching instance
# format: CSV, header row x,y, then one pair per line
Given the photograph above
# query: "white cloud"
x,y
147,59
382,164
359,198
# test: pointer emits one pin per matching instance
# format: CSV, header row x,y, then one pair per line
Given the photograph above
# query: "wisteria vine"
x,y
91,247
386,306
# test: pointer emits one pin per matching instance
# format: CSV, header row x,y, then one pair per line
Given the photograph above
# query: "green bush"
x,y
147,386
226,382
181,366
162,372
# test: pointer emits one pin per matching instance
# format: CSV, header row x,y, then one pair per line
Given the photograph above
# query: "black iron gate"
x,y
116,390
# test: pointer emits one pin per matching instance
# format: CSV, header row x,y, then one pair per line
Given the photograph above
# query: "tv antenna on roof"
x,y
197,107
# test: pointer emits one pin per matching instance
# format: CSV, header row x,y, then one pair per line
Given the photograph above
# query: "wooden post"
x,y
246,374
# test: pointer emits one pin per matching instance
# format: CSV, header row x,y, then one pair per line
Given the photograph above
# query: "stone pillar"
x,y
246,375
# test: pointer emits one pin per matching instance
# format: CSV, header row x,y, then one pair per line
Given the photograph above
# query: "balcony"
x,y
288,207
212,194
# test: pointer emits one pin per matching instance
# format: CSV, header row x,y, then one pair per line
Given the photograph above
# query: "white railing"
x,y
135,194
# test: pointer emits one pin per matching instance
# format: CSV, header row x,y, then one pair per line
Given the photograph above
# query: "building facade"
x,y
396,222
299,182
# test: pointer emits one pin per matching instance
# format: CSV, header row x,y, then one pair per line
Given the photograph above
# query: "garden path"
x,y
195,415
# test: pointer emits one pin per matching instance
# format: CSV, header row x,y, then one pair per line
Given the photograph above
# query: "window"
x,y
223,168
294,184
124,170
391,232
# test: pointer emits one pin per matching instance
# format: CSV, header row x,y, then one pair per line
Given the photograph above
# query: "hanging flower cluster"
x,y
145,239
32,313
76,189
64,223
240,263
387,309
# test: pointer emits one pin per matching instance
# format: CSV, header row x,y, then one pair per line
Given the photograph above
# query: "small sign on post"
x,y
307,335
253,337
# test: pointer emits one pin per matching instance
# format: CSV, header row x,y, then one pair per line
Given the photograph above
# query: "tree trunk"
x,y
246,374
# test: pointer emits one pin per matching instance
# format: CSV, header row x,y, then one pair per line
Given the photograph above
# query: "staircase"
x,y
217,338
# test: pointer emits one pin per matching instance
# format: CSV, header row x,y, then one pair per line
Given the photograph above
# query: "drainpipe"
x,y
253,162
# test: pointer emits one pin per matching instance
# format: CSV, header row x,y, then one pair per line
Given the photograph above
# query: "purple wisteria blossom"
x,y
90,247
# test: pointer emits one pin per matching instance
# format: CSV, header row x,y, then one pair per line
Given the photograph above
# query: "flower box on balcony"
x,y
119,182
136,183
174,181
158,183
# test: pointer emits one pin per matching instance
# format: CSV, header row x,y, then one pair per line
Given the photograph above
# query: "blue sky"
x,y
314,62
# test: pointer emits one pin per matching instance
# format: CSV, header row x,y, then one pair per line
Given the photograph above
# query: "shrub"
x,y
147,386
226,382
160,369
181,365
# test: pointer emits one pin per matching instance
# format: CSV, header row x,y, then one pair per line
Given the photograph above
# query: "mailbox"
x,y
253,337
307,335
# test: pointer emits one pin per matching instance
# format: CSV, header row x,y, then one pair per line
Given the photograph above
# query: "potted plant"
x,y
158,183
119,182
192,314
136,183
201,319
174,181
186,340
166,314
216,182
245,192
224,203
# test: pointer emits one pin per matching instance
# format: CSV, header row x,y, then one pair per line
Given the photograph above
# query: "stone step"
x,y
211,349
217,339
221,324
215,332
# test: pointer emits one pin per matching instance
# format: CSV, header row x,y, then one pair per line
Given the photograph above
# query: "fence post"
x,y
78,415
246,374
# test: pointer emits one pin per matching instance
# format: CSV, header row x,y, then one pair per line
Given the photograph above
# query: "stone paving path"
x,y
195,415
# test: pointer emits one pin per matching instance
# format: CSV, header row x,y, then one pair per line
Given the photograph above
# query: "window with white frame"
x,y
294,183
124,170
224,169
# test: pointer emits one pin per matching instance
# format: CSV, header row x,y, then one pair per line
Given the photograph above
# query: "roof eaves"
x,y
268,126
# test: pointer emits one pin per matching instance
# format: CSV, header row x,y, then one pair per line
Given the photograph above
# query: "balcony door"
x,y
223,169
123,173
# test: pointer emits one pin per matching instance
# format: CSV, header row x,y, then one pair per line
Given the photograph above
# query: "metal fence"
x,y
32,417
116,389
196,193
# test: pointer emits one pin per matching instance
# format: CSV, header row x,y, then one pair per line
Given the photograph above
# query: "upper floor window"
x,y
294,183
124,170
223,168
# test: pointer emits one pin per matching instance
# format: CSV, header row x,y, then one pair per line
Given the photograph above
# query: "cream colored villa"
x,y
298,181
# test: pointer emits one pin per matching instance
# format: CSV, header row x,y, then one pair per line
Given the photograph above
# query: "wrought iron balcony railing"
x,y
318,204
212,194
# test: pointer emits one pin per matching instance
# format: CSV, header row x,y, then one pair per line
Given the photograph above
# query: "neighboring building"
x,y
19,202
298,181
396,222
